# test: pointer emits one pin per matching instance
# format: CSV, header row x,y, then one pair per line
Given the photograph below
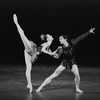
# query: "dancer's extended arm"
x,y
44,49
57,52
76,40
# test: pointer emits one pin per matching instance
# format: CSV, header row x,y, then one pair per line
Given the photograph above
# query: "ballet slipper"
x,y
30,88
79,91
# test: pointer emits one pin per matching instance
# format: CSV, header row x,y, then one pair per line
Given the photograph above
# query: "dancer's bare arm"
x,y
57,52
44,49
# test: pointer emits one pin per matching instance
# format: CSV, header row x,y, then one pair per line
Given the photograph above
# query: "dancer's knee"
x,y
58,71
28,71
75,71
48,80
77,77
55,74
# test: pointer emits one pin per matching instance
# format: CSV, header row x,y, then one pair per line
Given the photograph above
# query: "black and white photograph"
x,y
49,50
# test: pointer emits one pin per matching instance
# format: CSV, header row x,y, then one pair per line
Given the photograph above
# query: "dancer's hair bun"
x,y
42,37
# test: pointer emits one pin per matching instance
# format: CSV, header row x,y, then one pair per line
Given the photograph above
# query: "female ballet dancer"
x,y
66,53
31,50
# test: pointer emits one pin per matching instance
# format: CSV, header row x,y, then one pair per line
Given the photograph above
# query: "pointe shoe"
x,y
15,18
30,88
79,91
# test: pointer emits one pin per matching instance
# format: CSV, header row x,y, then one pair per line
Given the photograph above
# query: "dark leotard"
x,y
67,54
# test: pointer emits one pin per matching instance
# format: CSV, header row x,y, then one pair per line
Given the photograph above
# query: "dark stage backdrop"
x,y
71,17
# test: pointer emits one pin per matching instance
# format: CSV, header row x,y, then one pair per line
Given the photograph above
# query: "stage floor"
x,y
13,84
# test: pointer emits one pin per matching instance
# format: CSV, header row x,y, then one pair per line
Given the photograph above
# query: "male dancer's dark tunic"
x,y
67,54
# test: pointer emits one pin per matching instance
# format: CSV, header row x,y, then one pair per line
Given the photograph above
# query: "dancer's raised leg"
x,y
26,42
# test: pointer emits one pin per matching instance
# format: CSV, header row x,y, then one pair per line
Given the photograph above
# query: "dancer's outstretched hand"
x,y
92,30
15,18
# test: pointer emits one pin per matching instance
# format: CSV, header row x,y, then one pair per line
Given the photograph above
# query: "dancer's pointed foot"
x,y
15,18
30,88
79,91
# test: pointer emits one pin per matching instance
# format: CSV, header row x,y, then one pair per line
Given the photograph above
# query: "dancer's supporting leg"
x,y
51,77
77,77
28,46
28,70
